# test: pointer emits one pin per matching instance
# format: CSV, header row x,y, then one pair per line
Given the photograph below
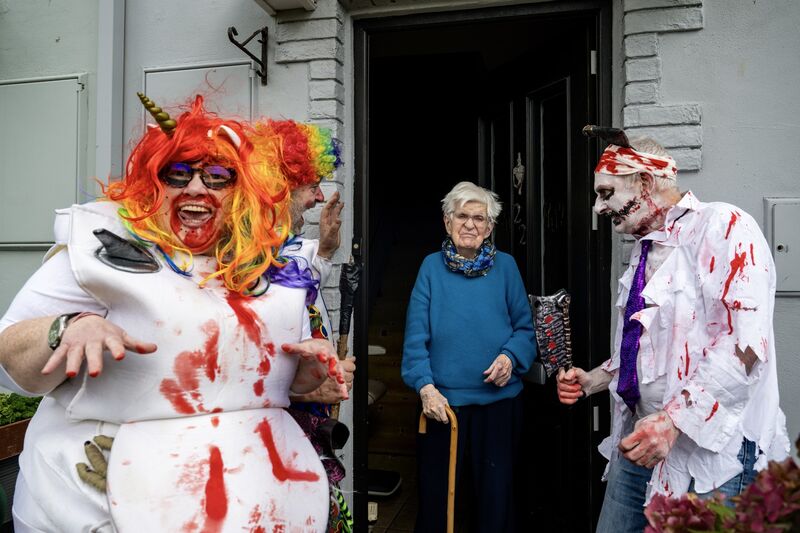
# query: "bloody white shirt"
x,y
715,291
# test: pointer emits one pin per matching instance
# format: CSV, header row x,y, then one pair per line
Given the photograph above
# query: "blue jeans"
x,y
623,506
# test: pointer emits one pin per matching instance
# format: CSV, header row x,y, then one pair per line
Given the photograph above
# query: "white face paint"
x,y
628,203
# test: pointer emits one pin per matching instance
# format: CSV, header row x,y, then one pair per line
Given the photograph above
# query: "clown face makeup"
x,y
194,211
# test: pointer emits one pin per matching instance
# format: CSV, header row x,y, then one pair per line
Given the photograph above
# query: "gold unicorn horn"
x,y
162,117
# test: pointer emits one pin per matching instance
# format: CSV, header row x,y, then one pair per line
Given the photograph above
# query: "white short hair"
x,y
466,191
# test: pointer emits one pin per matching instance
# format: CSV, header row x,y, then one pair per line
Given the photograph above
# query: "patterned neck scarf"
x,y
471,268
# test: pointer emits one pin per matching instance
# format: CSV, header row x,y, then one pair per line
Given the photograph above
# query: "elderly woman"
x,y
469,338
152,322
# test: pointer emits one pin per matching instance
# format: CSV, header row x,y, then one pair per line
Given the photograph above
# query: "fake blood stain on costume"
x,y
686,346
713,411
711,265
730,225
216,504
187,365
737,265
279,470
255,518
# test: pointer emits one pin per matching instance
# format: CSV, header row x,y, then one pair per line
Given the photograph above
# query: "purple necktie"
x,y
628,385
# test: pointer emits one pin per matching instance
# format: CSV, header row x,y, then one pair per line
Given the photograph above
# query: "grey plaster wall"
x,y
40,38
742,70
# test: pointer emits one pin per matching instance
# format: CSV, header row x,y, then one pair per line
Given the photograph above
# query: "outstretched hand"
x,y
329,224
651,440
88,338
318,361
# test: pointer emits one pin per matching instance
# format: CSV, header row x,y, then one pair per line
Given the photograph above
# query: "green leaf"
x,y
14,408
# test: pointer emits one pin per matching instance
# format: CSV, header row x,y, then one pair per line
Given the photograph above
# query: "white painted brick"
x,y
326,90
633,5
326,9
333,316
643,69
687,158
641,93
326,109
310,29
663,20
661,115
326,69
295,51
670,136
641,45
336,127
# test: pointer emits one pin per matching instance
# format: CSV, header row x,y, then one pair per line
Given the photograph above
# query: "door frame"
x,y
599,108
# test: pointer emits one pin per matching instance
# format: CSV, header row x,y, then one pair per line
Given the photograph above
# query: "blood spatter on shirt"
x,y
752,256
713,411
281,471
215,421
258,387
731,223
737,265
711,265
686,347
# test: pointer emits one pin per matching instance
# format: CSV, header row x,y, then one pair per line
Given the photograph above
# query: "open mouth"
x,y
194,214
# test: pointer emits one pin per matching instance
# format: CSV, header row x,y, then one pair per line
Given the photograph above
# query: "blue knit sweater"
x,y
456,326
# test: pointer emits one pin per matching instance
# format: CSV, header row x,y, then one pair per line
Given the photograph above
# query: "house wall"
x,y
732,68
40,38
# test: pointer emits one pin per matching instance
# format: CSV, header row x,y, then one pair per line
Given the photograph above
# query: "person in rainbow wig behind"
x,y
307,154
167,276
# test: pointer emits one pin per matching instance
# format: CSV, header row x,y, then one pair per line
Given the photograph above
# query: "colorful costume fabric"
x,y
314,417
713,293
202,442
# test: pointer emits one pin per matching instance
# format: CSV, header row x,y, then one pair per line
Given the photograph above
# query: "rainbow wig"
x,y
258,218
306,153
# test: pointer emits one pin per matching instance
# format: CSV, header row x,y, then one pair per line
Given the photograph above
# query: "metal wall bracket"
x,y
262,63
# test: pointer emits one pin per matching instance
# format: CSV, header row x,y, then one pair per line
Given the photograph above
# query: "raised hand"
x,y
88,338
651,440
499,372
329,224
433,403
318,361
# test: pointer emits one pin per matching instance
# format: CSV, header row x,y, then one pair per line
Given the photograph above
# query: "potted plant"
x,y
15,413
771,504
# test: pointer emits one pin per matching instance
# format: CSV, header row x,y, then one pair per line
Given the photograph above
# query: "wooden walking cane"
x,y
451,474
348,285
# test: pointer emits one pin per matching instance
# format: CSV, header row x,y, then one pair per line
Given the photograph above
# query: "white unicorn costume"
x,y
202,442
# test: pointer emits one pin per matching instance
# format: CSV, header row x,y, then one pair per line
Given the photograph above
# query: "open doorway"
x,y
497,97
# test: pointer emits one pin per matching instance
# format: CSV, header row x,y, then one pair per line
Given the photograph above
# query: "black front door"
x,y
497,96
538,160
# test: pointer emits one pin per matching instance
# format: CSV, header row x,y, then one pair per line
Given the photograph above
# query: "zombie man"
x,y
693,373
172,275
